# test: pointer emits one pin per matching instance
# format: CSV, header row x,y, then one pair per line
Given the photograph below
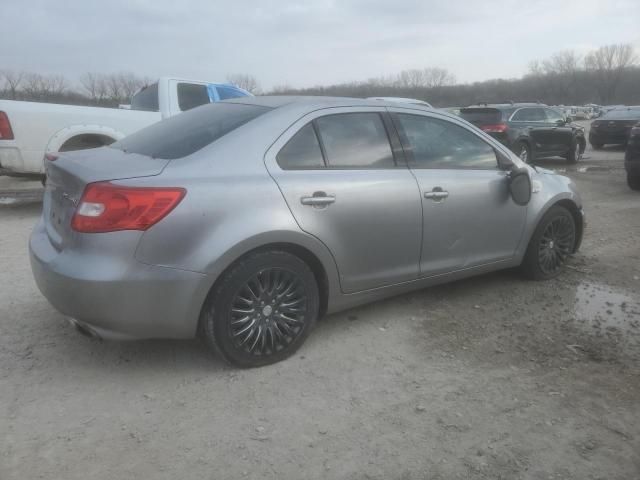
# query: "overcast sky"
x,y
302,43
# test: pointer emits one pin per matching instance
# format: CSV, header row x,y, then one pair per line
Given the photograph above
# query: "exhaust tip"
x,y
83,328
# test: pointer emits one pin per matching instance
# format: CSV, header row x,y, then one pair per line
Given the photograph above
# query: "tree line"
x,y
607,75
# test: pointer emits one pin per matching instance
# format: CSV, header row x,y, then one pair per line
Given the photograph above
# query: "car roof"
x,y
507,105
277,101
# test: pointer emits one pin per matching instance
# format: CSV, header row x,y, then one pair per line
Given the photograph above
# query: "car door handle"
x,y
318,199
436,194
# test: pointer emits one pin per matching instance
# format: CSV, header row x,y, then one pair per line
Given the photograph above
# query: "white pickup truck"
x,y
29,130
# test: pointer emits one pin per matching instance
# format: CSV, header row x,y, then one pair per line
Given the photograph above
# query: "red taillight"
x,y
5,127
105,207
495,128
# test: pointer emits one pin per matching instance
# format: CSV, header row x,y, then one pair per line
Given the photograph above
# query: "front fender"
x,y
549,190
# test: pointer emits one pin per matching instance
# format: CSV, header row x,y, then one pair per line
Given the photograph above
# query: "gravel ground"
x,y
489,378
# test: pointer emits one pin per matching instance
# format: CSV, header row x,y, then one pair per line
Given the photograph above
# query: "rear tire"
x,y
633,181
551,244
262,309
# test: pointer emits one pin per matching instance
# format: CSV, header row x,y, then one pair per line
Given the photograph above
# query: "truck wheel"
x,y
262,310
633,181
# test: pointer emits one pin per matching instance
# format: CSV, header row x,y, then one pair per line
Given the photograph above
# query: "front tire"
x,y
524,152
633,181
574,153
262,309
551,244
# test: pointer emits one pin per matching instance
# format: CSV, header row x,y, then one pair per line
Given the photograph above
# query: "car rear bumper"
x,y
608,138
141,301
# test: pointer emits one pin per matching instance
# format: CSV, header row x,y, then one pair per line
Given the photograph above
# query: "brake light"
x,y
5,127
495,128
105,207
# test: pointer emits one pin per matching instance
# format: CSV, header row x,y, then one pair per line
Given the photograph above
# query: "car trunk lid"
x,y
68,175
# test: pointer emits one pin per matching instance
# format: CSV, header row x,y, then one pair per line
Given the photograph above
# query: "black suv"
x,y
531,130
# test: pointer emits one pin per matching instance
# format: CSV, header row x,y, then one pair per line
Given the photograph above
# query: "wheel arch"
x,y
325,275
76,132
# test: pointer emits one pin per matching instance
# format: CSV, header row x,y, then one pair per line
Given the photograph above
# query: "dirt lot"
x,y
493,377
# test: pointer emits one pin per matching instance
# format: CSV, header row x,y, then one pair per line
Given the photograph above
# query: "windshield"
x,y
184,134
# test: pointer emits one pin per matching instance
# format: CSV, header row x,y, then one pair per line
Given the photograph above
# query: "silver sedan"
x,y
247,220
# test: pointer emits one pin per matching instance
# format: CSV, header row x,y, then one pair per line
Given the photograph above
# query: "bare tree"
x,y
607,64
91,82
12,82
433,77
245,81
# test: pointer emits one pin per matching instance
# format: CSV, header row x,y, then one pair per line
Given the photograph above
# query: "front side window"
x,y
553,116
530,115
302,151
355,140
191,95
229,92
435,143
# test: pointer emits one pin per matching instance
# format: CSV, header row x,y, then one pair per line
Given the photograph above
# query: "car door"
x,y
469,218
561,133
532,121
345,185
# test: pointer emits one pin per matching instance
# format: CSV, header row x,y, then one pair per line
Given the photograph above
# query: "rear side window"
x,y
184,134
191,95
530,115
481,116
146,99
302,151
435,143
355,140
229,92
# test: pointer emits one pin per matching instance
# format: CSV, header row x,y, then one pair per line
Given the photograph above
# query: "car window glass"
x,y
301,151
437,143
229,92
191,95
355,140
553,115
184,134
146,99
530,115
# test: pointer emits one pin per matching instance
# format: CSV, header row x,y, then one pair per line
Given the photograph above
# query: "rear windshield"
x,y
188,132
481,116
623,114
146,99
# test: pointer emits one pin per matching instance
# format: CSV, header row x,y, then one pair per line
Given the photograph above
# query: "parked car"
x,y
29,130
530,130
412,101
632,158
614,127
246,220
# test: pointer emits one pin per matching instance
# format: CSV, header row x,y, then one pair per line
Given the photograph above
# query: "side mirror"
x,y
562,122
520,186
568,120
